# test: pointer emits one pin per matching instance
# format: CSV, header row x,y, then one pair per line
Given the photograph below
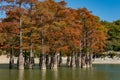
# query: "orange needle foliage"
x,y
64,29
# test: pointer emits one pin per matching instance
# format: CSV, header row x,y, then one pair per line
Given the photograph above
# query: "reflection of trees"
x,y
21,75
43,75
55,74
73,73
62,74
12,75
30,74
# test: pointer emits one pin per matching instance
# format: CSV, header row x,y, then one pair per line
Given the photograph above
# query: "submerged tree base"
x,y
21,62
42,61
11,63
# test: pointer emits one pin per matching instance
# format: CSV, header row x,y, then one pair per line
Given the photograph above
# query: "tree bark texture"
x,y
42,61
54,63
11,62
20,58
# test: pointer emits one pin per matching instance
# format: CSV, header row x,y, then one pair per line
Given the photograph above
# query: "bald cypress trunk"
x,y
78,60
72,63
20,58
68,61
83,65
87,60
60,60
11,62
26,60
20,62
54,61
42,61
31,58
90,60
31,62
48,61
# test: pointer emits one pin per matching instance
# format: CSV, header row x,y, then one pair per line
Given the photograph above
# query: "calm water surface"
x,y
98,72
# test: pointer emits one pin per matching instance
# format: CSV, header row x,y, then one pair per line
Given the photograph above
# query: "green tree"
x,y
114,35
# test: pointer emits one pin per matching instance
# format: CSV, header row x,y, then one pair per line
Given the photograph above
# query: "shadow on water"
x,y
98,72
4,66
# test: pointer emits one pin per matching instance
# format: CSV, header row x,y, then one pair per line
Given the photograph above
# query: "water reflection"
x,y
30,72
55,74
98,72
10,74
73,73
43,77
20,74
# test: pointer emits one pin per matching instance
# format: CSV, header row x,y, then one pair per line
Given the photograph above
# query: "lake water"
x,y
97,72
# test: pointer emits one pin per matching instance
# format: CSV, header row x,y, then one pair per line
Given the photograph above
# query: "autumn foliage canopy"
x,y
52,26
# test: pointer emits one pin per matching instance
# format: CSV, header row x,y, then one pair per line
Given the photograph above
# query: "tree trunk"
x,y
20,62
90,59
11,63
72,63
42,56
31,62
42,61
26,60
87,60
47,61
68,61
83,65
78,60
20,58
54,62
31,59
60,60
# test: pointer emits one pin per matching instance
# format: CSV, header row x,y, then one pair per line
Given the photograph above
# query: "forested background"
x,y
114,35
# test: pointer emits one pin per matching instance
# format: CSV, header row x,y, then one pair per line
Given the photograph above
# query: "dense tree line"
x,y
114,35
52,30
